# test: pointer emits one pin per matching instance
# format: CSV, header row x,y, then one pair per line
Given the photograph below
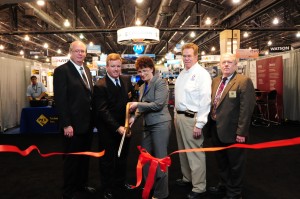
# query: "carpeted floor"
x,y
271,173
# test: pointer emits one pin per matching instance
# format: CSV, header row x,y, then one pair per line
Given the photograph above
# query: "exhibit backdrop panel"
x,y
270,77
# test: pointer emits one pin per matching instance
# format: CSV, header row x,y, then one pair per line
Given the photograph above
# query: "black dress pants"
x,y
231,165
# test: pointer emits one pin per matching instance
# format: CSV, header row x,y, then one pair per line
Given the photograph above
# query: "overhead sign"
x,y
57,61
139,49
247,53
135,56
273,49
210,58
138,35
94,49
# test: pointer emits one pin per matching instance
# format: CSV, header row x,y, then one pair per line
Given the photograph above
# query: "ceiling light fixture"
x,y
67,23
138,22
46,45
36,57
203,53
192,34
275,21
40,2
298,34
266,52
91,43
207,21
269,43
236,1
1,47
58,51
47,59
182,42
81,36
246,34
21,52
139,1
26,38
213,48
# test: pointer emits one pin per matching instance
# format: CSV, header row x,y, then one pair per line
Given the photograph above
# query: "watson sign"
x,y
274,49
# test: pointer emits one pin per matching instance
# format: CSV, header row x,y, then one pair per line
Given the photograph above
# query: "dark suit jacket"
x,y
154,102
235,109
73,98
110,103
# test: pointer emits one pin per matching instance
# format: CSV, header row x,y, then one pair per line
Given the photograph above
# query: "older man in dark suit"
x,y
233,101
111,94
73,90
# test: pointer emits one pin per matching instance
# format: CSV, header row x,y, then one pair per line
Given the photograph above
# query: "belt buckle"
x,y
190,114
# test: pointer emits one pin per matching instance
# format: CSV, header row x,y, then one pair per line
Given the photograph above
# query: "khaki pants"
x,y
193,165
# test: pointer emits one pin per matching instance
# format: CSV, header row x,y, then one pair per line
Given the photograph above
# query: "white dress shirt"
x,y
193,93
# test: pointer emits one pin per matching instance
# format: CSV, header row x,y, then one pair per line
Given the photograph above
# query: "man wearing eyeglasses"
x,y
73,91
192,105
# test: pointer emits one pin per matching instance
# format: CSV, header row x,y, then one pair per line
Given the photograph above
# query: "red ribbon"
x,y
14,149
145,157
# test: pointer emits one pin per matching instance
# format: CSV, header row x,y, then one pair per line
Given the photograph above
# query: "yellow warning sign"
x,y
42,120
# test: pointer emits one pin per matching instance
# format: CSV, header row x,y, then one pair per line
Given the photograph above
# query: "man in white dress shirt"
x,y
192,106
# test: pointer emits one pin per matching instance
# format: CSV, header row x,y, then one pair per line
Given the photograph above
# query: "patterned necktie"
x,y
84,77
117,83
217,98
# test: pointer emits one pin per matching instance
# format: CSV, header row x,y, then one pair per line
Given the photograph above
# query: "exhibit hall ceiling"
x,y
97,21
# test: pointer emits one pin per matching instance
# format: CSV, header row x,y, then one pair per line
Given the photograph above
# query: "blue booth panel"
x,y
39,120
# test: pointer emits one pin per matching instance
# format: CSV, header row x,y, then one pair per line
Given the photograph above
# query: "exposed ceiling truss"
x,y
99,20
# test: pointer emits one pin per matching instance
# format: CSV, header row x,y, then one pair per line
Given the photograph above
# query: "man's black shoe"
x,y
195,195
89,190
182,183
217,190
127,186
108,195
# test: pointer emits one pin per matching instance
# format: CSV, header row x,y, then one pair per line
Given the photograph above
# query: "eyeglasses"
x,y
78,51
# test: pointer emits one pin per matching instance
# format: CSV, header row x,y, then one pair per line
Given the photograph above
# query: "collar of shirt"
x,y
228,78
77,67
192,68
113,79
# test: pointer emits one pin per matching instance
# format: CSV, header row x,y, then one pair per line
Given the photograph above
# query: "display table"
x,y
39,120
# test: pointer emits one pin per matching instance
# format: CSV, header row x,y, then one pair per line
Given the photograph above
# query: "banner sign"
x,y
273,49
57,61
247,53
270,77
210,58
94,49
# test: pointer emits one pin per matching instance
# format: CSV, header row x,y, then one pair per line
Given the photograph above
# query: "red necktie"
x,y
217,98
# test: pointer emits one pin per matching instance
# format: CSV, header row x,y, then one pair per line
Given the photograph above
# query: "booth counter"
x,y
39,120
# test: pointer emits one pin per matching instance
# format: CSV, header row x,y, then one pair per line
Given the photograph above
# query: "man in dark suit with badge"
x,y
73,89
233,101
111,94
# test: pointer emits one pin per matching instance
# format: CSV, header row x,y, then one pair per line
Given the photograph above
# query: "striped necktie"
x,y
84,78
217,97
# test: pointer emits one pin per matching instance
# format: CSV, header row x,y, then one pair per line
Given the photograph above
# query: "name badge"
x,y
232,94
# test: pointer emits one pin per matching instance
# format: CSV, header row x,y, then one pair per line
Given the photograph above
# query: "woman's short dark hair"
x,y
145,62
